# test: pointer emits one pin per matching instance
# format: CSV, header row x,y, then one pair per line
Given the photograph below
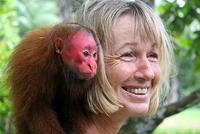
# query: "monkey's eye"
x,y
95,54
86,52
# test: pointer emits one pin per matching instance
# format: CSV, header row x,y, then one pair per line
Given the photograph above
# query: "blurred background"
x,y
180,113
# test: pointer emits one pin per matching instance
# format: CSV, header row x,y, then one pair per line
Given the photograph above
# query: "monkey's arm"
x,y
31,78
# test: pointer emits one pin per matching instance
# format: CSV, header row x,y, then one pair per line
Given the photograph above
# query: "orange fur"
x,y
38,86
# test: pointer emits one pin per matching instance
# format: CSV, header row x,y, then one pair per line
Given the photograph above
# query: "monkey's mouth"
x,y
86,76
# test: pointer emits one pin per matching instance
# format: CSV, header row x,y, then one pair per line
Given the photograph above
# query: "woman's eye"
x,y
153,57
128,56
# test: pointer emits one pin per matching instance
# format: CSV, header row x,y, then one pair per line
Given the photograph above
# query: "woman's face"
x,y
135,71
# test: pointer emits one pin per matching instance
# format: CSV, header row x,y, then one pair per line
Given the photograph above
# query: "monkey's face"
x,y
80,54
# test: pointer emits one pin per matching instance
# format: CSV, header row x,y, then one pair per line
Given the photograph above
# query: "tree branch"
x,y
183,104
147,125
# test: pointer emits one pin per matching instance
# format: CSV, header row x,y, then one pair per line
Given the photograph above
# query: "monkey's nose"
x,y
92,67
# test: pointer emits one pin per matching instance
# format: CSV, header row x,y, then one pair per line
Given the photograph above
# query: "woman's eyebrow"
x,y
127,44
154,46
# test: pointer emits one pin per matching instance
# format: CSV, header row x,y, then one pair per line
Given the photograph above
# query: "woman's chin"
x,y
135,109
135,105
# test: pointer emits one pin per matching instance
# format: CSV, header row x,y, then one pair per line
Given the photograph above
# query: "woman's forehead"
x,y
127,25
133,25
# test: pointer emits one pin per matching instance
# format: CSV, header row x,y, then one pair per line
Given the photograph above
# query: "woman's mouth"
x,y
136,91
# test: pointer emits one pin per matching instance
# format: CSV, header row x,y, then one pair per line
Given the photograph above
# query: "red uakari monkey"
x,y
49,73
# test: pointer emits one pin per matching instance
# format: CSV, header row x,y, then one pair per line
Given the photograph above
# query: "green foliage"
x,y
182,18
16,18
186,122
36,13
8,38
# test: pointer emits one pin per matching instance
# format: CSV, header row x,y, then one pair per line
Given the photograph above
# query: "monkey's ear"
x,y
59,44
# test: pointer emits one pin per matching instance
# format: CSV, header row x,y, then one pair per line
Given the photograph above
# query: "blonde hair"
x,y
100,15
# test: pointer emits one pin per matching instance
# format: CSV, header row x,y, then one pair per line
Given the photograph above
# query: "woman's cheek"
x,y
157,70
118,74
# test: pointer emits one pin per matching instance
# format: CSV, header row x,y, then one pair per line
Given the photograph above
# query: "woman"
x,y
136,64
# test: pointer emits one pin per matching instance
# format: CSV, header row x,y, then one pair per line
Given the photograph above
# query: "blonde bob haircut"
x,y
100,15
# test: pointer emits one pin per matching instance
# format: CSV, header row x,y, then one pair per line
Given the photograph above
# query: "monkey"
x,y
49,73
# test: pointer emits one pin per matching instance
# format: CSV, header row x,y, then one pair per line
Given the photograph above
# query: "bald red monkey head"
x,y
79,53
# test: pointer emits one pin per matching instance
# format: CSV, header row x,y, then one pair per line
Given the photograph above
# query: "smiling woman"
x,y
136,66
136,72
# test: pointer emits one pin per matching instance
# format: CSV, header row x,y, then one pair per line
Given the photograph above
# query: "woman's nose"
x,y
144,71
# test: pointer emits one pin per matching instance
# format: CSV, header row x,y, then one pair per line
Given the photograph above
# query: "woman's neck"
x,y
102,124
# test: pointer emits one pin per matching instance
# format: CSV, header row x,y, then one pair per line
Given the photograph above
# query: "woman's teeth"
x,y
138,91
